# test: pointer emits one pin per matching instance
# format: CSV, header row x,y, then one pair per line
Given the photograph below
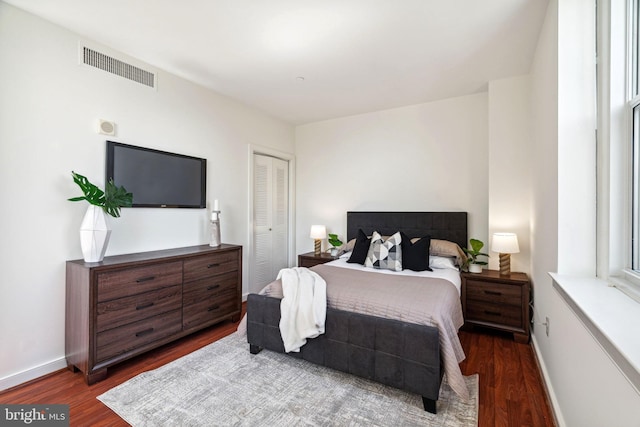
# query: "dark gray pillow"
x,y
361,248
415,256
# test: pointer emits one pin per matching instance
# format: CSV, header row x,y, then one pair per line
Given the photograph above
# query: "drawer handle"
x,y
215,307
210,288
212,265
492,313
143,306
145,332
493,293
145,279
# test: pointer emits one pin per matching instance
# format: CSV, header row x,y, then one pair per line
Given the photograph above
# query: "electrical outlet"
x,y
546,324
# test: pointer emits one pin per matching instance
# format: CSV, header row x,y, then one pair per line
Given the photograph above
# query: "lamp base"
x,y
505,264
317,246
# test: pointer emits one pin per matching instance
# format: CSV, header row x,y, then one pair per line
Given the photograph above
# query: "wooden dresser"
x,y
499,302
129,304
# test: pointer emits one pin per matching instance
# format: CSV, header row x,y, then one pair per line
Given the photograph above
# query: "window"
x,y
634,44
633,102
618,207
619,110
635,181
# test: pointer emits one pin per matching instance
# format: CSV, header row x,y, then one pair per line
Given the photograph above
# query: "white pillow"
x,y
442,262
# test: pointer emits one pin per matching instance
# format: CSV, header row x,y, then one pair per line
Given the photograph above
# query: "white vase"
x,y
214,239
94,234
475,268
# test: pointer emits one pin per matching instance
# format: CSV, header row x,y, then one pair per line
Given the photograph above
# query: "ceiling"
x,y
309,60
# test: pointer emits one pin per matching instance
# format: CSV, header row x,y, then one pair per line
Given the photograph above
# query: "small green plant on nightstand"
x,y
335,242
473,264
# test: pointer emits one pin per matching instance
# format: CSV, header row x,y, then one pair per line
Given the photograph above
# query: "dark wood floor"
x,y
511,390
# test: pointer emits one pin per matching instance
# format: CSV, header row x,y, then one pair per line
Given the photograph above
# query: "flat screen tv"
x,y
158,178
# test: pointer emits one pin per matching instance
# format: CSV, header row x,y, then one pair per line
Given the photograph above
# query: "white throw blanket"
x,y
303,309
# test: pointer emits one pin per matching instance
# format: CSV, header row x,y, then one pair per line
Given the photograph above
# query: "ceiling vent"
x,y
117,67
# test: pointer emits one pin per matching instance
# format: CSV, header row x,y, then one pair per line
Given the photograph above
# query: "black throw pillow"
x,y
360,249
415,256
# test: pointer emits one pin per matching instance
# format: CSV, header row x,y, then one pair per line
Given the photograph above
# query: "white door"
x,y
270,219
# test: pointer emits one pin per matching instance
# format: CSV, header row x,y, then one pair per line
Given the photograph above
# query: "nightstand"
x,y
499,302
310,259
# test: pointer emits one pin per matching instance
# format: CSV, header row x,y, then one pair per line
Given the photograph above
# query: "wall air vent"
x,y
117,67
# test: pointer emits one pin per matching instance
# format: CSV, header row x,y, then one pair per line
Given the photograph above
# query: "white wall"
x,y
510,166
586,387
576,137
419,158
48,110
544,155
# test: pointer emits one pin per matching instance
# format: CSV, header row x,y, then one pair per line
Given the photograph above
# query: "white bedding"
x,y
452,276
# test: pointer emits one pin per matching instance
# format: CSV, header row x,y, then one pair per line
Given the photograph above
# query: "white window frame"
x,y
619,221
633,112
632,272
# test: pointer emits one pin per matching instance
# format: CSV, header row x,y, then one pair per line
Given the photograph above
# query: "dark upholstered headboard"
x,y
450,226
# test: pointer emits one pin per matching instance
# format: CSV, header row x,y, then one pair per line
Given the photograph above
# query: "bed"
x,y
404,339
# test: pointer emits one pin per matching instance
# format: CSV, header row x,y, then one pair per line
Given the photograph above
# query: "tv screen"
x,y
158,178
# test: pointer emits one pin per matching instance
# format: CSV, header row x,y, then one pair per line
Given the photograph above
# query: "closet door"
x,y
270,218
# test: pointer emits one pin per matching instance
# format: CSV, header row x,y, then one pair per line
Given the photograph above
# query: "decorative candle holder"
x,y
215,229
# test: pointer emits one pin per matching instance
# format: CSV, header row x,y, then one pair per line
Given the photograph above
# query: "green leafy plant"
x,y
334,241
110,200
474,253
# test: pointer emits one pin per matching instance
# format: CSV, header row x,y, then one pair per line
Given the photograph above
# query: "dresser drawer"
x,y
129,337
132,281
507,315
210,265
121,311
195,291
208,310
494,292
310,262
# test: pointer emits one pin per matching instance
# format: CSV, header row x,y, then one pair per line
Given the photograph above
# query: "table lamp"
x,y
505,244
318,232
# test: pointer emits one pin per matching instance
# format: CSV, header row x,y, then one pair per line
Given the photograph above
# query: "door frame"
x,y
291,160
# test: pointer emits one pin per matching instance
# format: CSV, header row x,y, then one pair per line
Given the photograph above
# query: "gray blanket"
x,y
426,301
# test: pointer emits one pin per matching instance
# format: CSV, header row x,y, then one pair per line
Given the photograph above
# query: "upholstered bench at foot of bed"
x,y
391,352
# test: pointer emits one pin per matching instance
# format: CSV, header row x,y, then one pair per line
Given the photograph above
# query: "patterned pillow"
x,y
385,254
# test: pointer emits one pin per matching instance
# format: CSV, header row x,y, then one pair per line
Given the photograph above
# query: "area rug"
x,y
223,384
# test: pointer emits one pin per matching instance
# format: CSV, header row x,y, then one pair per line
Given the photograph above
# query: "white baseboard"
x,y
555,407
32,373
44,369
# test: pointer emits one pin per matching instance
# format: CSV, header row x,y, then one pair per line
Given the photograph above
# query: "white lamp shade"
x,y
318,232
505,243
